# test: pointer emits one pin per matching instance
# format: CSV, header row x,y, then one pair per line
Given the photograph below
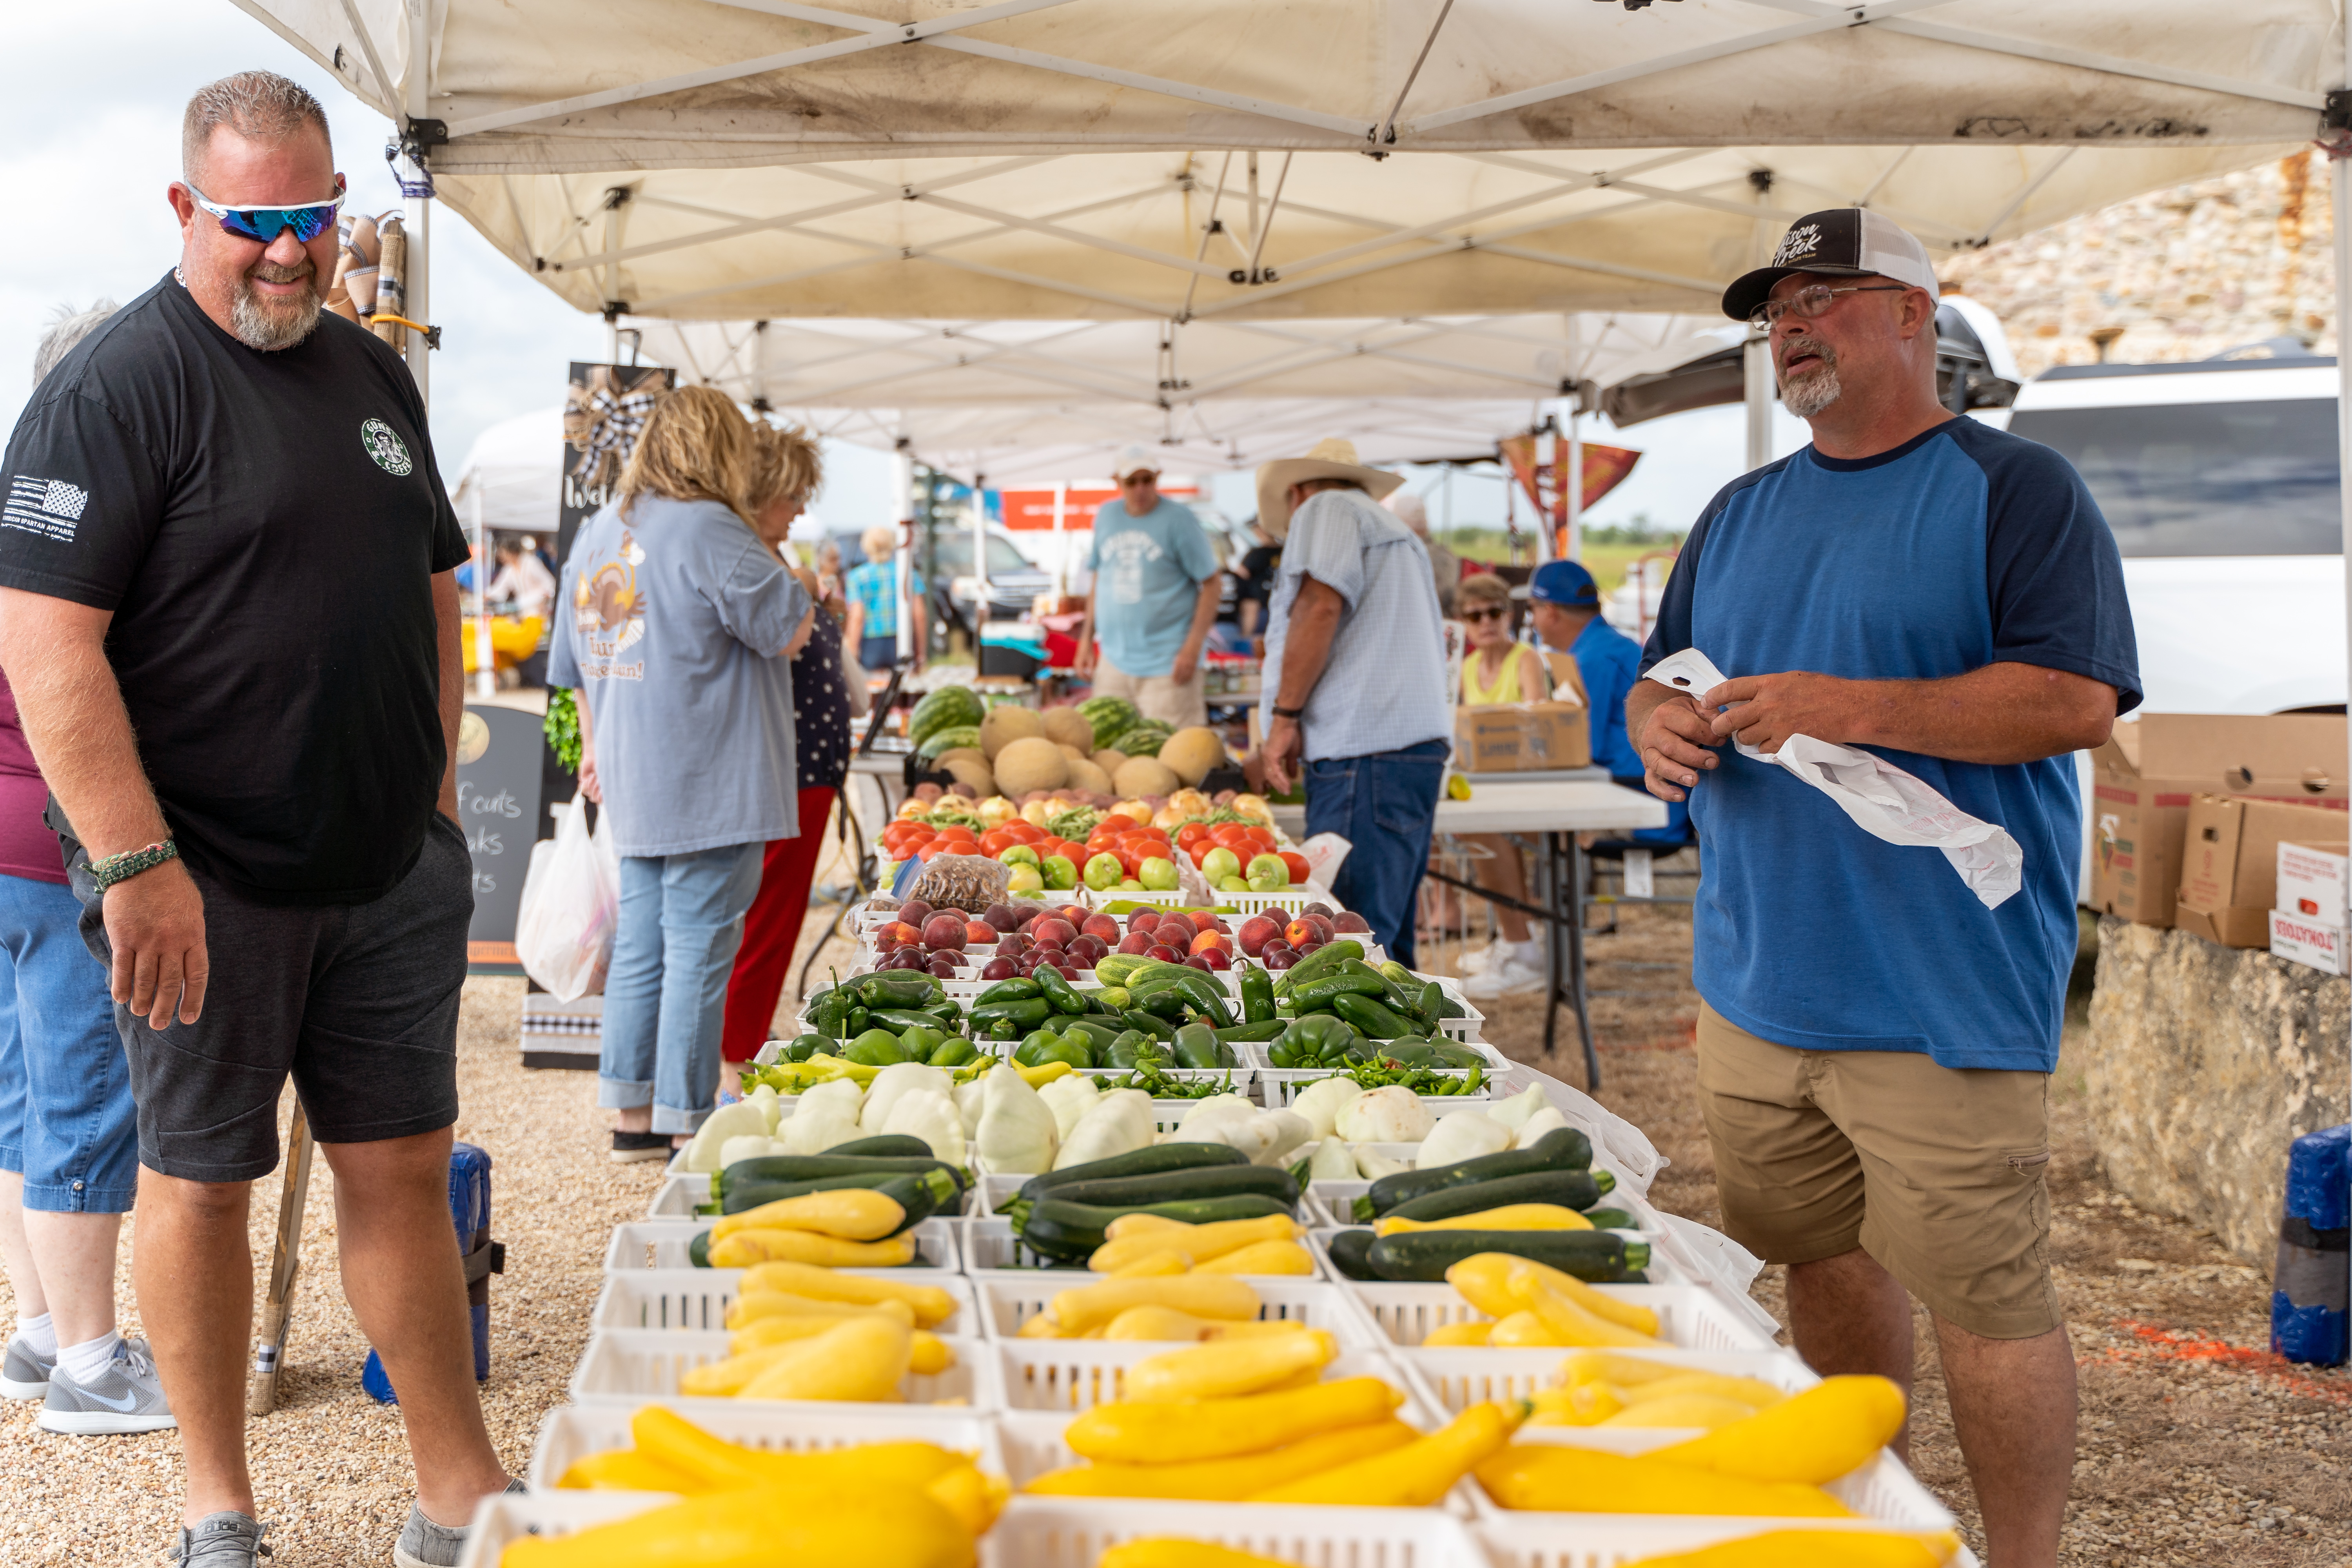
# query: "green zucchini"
x,y
1157,1159
1577,1190
921,1193
1348,1251
1561,1148
1176,1186
1611,1219
902,1154
1073,1233
1598,1257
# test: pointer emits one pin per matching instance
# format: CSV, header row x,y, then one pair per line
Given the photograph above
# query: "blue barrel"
x,y
2313,1287
469,1211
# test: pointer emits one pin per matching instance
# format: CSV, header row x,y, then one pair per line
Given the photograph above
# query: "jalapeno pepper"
x,y
1057,991
1020,988
899,1020
1374,1018
1271,1029
1167,1002
949,1012
854,1023
1323,993
1157,1027
1323,961
1258,995
1026,1013
891,991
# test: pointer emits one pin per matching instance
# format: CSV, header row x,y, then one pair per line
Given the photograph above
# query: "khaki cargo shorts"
x,y
1178,703
1935,1171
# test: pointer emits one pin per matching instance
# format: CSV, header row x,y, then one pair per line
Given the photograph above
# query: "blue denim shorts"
x,y
1385,805
66,1123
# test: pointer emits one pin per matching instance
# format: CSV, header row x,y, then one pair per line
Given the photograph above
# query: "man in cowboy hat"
x,y
1156,587
1355,661
1876,1044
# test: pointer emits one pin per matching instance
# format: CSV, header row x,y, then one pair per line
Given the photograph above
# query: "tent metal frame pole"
x,y
367,51
902,558
2338,145
417,286
1756,393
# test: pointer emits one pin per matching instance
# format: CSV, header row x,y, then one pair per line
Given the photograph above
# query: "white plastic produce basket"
x,y
1286,901
1069,1375
631,1366
662,1244
1006,1301
572,1432
695,1299
991,1249
1610,1540
1073,1533
1690,1317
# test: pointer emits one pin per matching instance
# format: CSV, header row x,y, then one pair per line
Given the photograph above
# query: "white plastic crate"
x,y
1609,1540
662,1244
1288,900
990,1248
1661,1271
1070,1375
1073,1533
572,1432
1690,1317
695,1299
1007,1301
631,1366
679,1197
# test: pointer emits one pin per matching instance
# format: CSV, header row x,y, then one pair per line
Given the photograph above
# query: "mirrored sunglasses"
x,y
265,224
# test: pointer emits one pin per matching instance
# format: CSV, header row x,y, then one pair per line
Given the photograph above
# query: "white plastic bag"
x,y
1882,799
570,904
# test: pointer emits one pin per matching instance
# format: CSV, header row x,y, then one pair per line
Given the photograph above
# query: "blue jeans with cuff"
x,y
666,993
66,1123
1385,806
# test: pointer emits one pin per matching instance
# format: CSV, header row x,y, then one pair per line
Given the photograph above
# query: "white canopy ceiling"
x,y
748,159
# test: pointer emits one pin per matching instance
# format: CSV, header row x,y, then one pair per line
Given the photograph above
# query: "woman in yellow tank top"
x,y
1498,668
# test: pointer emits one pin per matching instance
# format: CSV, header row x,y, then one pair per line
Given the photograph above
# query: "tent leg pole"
x,y
2339,178
1756,365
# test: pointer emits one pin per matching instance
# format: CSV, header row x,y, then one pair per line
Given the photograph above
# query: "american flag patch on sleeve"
x,y
49,507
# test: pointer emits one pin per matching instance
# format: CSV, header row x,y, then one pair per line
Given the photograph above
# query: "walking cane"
x,y
278,1308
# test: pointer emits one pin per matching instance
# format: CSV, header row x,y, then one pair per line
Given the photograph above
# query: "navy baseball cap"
x,y
1562,582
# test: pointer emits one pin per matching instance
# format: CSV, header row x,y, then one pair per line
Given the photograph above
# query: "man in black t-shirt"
x,y
228,608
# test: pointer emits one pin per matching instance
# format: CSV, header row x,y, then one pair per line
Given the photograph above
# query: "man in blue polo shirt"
x,y
1564,604
1876,1044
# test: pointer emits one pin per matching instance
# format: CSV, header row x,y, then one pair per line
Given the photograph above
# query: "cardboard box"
x,y
2143,779
1522,737
2315,881
2229,864
2311,943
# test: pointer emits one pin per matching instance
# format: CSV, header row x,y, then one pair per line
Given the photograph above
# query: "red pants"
x,y
771,929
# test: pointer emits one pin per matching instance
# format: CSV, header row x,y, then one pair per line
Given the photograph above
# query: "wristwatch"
x,y
1281,712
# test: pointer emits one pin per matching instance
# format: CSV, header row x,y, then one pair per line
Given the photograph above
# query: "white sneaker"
x,y
128,1397
1515,976
1485,958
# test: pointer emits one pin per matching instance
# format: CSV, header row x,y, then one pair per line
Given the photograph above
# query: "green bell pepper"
x,y
874,1048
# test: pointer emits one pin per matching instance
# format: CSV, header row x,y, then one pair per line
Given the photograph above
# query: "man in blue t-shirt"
x,y
1156,587
1564,606
1875,1043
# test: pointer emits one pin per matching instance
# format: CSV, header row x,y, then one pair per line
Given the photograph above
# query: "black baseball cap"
x,y
1845,242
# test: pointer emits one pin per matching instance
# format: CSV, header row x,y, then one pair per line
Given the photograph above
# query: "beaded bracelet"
x,y
130,862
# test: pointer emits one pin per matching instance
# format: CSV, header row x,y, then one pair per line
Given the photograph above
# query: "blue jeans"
x,y
1384,805
66,1123
666,993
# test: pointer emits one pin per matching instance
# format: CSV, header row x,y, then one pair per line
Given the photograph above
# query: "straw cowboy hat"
x,y
1327,459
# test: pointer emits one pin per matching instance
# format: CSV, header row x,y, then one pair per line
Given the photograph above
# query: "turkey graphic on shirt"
x,y
610,615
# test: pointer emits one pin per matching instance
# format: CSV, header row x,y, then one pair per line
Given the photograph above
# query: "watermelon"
x,y
948,706
1111,717
1144,739
948,739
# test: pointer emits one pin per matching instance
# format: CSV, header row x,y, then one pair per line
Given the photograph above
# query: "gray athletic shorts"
x,y
359,1002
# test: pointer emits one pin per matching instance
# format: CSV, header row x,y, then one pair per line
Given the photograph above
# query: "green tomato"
x,y
1157,874
1027,879
1060,874
1219,864
1234,884
1104,870
1272,868
1018,854
1129,885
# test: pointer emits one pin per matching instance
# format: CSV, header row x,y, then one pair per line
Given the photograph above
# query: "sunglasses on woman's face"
x,y
1491,613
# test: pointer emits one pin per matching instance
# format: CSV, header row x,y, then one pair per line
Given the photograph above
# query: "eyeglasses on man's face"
x,y
1813,299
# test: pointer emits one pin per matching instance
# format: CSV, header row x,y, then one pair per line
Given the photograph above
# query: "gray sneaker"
x,y
24,1371
223,1540
425,1544
128,1397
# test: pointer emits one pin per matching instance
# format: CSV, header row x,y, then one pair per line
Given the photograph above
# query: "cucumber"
x,y
1596,1257
1348,1251
1561,1148
889,1145
1072,1233
1179,1186
774,1168
1577,1190
1156,1160
921,1193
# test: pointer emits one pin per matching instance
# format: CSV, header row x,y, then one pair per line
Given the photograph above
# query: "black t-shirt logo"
x,y
384,444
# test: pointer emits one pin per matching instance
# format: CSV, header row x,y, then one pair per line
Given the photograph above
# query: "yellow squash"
x,y
1490,1281
932,1305
849,1214
1127,1432
975,1500
1151,1262
1228,1481
857,1358
1040,1325
1524,1331
768,1305
1228,1369
1752,1392
1834,1428
1570,1321
1203,1296
746,1247
1129,1225
1469,1331
881,1527
762,1332
625,1469
1589,1480
1175,1551
1704,1410
1415,1475
1510,1216
1262,1257
1585,1405
1817,1549
1157,1323
1200,1242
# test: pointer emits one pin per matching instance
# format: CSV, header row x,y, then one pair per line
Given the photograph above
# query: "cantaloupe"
x,y
1085,775
1192,753
1069,726
1075,754
970,769
1110,760
960,754
1031,762
1144,775
1007,723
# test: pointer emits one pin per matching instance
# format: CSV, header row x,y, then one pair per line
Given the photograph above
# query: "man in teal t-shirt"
x,y
1154,599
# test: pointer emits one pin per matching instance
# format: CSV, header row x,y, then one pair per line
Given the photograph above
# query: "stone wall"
x,y
2204,1063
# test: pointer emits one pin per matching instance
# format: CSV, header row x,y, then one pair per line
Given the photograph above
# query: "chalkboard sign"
x,y
499,756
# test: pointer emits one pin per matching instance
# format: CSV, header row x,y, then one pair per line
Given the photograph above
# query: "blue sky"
x,y
90,126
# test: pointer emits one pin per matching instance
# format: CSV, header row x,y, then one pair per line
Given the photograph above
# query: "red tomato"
x,y
1191,833
1115,822
1129,859
995,842
936,847
1024,832
1297,864
1261,840
1225,833
959,835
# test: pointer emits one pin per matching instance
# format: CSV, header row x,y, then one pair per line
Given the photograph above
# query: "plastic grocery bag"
x,y
1884,800
570,904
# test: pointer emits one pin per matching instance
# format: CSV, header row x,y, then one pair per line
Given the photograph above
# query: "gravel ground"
x,y
2197,1449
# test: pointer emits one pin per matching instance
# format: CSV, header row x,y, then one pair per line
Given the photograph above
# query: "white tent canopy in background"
x,y
513,475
